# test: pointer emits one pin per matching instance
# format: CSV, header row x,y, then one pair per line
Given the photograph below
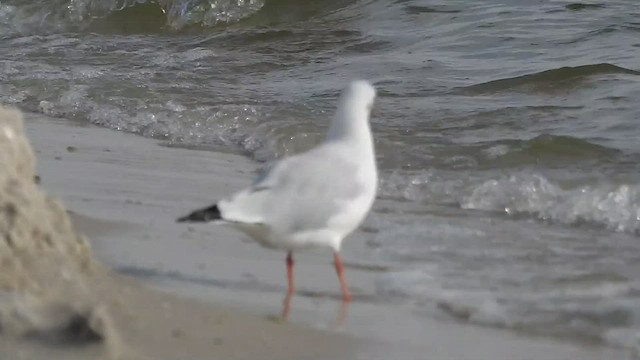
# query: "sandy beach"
x,y
168,291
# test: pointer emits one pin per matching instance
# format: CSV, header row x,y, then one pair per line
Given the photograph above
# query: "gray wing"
x,y
300,192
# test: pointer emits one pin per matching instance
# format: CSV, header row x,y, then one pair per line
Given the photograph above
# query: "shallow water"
x,y
506,131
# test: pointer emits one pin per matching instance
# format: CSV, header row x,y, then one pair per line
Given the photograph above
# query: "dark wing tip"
x,y
210,213
183,219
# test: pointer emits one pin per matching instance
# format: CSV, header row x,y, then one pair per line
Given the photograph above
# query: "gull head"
x,y
351,120
358,94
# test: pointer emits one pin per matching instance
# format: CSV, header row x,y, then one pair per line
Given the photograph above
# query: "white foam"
x,y
617,207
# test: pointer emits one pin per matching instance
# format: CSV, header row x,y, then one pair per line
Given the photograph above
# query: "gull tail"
x,y
207,214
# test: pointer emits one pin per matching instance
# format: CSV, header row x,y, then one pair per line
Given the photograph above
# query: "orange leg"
x,y
290,273
291,289
346,296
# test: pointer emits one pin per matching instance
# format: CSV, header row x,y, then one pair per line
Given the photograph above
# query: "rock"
x,y
45,266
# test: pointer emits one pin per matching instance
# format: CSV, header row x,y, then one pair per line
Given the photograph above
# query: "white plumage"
x,y
313,199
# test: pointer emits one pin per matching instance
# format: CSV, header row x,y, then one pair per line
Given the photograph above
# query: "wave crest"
x,y
122,15
549,81
616,207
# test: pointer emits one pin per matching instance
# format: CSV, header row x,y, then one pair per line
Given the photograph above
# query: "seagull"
x,y
314,199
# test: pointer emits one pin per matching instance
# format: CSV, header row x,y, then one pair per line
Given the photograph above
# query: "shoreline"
x,y
62,303
124,192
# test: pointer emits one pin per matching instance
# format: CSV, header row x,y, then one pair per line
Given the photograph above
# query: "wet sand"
x,y
200,292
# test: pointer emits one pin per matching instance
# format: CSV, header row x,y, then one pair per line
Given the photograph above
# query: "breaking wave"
x,y
122,15
615,206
